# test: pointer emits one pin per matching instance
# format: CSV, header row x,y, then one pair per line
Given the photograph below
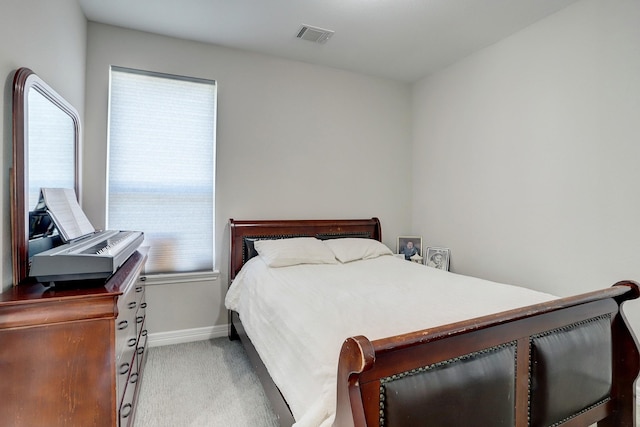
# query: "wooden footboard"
x,y
570,362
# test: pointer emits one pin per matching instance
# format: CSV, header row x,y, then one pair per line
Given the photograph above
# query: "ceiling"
x,y
399,39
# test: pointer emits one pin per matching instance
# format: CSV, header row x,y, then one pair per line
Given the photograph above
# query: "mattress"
x,y
298,316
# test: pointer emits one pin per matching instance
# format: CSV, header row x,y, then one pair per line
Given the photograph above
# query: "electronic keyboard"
x,y
95,256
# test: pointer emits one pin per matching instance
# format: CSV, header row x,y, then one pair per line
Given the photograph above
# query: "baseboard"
x,y
186,335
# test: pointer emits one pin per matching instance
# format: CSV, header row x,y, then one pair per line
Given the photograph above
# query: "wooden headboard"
x,y
243,231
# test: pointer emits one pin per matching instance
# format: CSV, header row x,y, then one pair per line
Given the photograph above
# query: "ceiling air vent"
x,y
314,34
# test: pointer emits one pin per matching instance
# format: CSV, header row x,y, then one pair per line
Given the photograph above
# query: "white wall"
x,y
294,141
49,38
524,154
528,154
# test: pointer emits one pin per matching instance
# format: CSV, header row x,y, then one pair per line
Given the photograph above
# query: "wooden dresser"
x,y
73,356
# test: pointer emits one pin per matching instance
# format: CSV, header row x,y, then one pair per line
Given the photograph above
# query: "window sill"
x,y
174,278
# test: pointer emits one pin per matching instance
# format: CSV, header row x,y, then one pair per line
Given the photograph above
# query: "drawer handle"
x,y
124,368
126,410
122,325
132,342
132,304
134,378
144,333
140,350
139,289
143,278
139,319
143,305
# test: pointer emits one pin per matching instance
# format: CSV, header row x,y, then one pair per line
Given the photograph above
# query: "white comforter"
x,y
297,317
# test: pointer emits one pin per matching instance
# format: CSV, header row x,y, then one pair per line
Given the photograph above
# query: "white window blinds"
x,y
162,166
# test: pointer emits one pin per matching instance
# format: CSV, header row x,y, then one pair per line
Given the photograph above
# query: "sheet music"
x,y
68,216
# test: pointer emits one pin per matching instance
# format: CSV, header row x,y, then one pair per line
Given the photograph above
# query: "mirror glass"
x,y
51,149
46,143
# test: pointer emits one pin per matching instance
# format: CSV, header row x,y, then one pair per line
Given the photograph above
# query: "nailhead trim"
x,y
580,413
358,235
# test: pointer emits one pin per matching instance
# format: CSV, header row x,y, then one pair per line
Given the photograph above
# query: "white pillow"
x,y
353,248
294,251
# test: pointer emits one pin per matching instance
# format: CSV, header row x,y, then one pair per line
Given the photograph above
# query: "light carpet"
x,y
201,384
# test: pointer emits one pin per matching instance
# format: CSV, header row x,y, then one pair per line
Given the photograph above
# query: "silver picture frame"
x,y
437,258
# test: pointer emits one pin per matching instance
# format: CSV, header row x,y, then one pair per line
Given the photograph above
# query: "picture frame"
x,y
437,258
411,248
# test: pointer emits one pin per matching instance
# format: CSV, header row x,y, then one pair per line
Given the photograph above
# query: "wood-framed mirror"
x,y
46,153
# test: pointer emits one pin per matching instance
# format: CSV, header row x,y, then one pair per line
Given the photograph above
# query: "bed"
x,y
559,361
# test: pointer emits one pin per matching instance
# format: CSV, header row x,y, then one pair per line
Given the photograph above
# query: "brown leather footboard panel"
x,y
570,370
479,386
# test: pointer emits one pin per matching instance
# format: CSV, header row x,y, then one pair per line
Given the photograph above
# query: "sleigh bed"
x,y
564,361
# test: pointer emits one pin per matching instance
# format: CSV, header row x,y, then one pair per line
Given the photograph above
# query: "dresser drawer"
x,y
125,332
142,347
141,314
126,363
126,320
127,405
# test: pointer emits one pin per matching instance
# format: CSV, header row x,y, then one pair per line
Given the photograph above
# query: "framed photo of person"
x,y
411,248
437,258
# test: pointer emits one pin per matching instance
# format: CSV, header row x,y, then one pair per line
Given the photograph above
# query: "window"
x,y
161,166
